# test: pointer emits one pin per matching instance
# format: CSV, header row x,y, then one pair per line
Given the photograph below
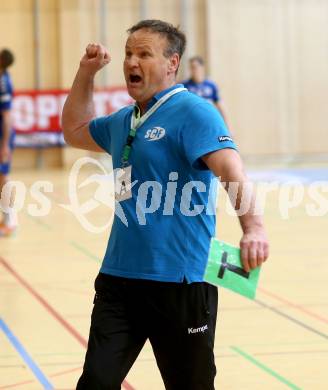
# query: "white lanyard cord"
x,y
135,123
138,121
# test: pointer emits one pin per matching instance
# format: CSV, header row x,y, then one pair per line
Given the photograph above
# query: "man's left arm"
x,y
218,104
227,165
222,111
5,139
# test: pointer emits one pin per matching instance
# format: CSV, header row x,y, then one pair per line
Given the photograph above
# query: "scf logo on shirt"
x,y
155,134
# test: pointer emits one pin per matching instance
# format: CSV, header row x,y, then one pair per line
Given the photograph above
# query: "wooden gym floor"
x,y
47,270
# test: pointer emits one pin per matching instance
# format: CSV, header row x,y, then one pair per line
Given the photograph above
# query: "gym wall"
x,y
269,57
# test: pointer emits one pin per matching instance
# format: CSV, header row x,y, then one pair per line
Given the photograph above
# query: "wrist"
x,y
252,224
86,73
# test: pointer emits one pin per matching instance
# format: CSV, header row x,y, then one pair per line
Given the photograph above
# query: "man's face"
x,y
197,71
147,71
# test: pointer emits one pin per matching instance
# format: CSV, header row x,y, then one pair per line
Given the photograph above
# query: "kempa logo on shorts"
x,y
155,134
225,138
197,330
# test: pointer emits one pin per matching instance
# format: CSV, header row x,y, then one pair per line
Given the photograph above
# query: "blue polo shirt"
x,y
170,218
207,89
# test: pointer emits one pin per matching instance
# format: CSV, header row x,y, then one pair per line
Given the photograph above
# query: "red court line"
x,y
45,304
51,310
16,384
32,381
65,372
294,305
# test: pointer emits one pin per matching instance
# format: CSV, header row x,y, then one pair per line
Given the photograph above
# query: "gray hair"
x,y
176,39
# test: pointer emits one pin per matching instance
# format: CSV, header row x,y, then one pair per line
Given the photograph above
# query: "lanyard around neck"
x,y
137,121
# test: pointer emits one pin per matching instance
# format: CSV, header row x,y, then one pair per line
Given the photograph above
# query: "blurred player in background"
x,y
201,86
7,225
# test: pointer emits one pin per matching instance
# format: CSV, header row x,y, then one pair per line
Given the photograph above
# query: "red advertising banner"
x,y
40,111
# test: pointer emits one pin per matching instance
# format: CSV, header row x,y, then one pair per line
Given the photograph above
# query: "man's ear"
x,y
174,63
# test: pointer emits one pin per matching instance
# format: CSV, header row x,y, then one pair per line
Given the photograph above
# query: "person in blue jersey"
x,y
166,150
8,223
202,86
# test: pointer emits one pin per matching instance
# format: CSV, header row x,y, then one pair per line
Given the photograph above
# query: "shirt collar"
x,y
160,94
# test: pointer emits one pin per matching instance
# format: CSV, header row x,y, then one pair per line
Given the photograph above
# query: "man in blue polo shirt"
x,y
7,225
166,151
202,86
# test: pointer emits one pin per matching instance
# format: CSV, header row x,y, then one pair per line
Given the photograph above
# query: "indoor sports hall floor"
x,y
278,341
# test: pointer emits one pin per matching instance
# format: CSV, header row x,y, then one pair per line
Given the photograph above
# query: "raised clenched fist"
x,y
96,57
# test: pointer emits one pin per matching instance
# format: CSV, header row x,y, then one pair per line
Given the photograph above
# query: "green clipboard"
x,y
224,268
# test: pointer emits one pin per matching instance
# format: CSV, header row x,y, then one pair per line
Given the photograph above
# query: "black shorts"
x,y
178,319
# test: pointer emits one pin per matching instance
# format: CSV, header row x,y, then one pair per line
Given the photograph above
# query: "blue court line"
x,y
25,356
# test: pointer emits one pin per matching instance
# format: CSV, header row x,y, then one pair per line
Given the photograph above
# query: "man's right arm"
x,y
79,110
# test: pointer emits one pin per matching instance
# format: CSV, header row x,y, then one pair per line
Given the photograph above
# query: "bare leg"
x,y
8,223
3,180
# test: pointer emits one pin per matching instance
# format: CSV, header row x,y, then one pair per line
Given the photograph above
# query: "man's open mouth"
x,y
134,79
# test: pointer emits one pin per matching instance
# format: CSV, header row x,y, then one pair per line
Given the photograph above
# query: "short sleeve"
x,y
5,93
202,132
100,131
